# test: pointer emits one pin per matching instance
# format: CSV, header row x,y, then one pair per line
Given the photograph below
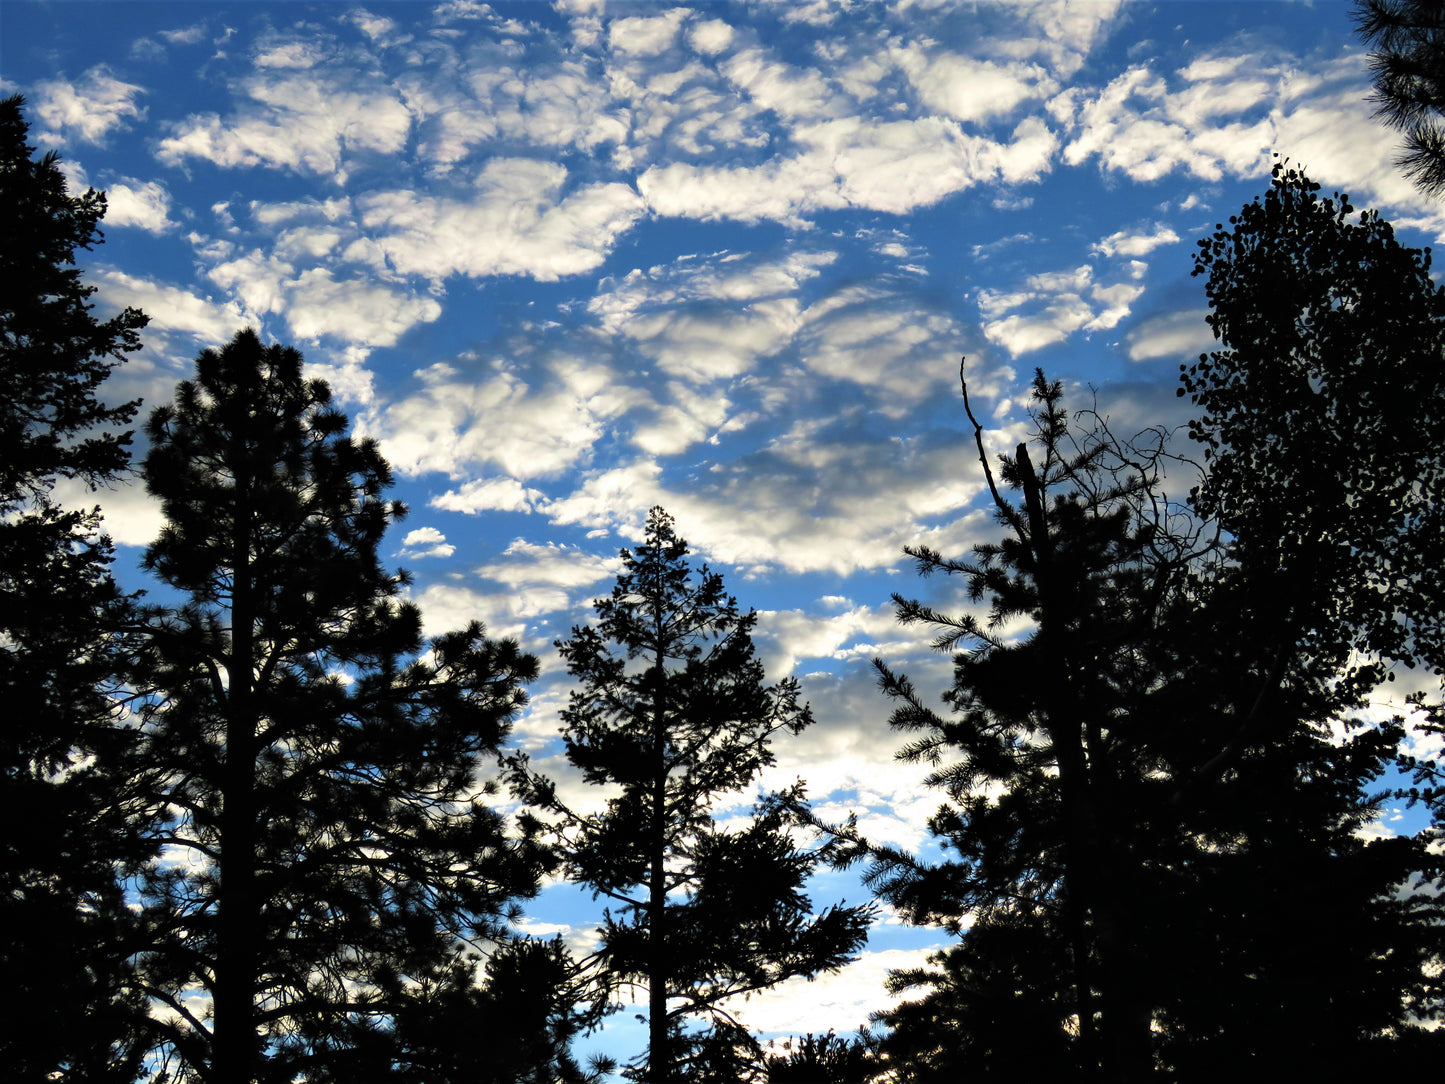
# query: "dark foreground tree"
x,y
824,1059
1155,802
61,910
674,710
1323,413
1324,416
1408,64
516,1027
328,846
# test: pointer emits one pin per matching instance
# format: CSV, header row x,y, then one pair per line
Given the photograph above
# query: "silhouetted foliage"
x,y
1143,789
515,1027
60,904
673,709
825,1059
328,843
1408,65
1323,416
994,1006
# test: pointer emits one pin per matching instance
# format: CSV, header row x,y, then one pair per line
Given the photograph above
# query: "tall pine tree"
x,y
61,910
1155,804
328,844
673,709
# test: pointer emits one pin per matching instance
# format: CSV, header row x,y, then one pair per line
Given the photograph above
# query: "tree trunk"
x,y
235,1055
659,1056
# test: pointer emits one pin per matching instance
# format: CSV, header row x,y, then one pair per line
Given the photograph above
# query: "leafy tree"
x,y
60,904
1126,784
1323,416
674,711
1408,65
328,846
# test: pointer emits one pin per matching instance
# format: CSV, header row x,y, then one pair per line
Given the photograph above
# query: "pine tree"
x,y
60,903
328,846
1408,65
1136,790
673,709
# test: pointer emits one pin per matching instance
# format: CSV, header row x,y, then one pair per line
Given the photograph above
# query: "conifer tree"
x,y
1155,804
1408,65
60,904
328,846
672,708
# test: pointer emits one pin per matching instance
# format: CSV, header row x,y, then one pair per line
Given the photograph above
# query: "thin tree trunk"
x,y
234,1051
660,1067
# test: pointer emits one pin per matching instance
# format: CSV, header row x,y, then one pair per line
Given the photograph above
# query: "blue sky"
x,y
571,260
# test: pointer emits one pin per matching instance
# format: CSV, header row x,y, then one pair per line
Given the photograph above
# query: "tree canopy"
x,y
329,846
1151,751
60,905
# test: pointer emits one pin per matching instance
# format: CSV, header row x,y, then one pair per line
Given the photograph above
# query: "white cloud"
x,y
490,416
131,516
811,12
711,36
841,1002
353,311
171,307
1061,303
426,542
881,339
548,106
1226,116
702,346
646,35
970,89
446,606
790,92
188,35
145,205
517,204
488,495
379,28
308,122
1069,30
1131,243
1183,335
549,563
805,504
894,167
89,108
316,304
788,637
299,55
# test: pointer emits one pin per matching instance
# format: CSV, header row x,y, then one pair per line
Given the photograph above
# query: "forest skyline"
x,y
570,262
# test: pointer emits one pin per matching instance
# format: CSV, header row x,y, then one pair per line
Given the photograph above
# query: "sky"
x,y
567,261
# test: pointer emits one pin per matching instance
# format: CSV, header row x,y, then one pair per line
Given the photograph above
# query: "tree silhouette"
x,y
825,1059
673,709
1324,415
60,904
1138,789
328,847
1408,66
